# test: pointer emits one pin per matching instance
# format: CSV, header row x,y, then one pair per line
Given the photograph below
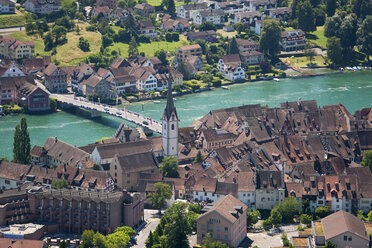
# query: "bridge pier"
x,y
95,114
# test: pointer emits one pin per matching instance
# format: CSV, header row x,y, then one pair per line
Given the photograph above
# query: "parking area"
x,y
263,240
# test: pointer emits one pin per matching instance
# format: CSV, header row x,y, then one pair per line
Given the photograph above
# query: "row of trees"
x,y
119,238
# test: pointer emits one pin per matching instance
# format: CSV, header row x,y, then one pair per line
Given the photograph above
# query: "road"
x,y
10,30
152,219
127,115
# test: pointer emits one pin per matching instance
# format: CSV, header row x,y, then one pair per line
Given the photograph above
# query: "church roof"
x,y
170,108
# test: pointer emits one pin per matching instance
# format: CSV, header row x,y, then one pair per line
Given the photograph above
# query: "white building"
x,y
215,16
7,7
42,7
230,66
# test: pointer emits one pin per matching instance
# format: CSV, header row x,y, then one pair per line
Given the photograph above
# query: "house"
x,y
55,79
226,221
231,7
144,9
120,14
208,36
33,65
211,139
22,243
147,28
341,228
249,51
109,3
246,186
244,17
184,52
12,175
34,97
230,65
42,7
57,152
180,25
269,189
104,10
80,73
145,79
283,13
186,11
210,189
292,40
126,169
215,16
99,86
7,7
193,64
256,5
16,49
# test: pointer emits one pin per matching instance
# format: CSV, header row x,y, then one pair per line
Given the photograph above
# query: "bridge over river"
x,y
97,109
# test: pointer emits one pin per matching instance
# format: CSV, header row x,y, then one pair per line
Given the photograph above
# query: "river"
x,y
353,89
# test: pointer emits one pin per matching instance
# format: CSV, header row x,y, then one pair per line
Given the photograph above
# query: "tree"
x,y
306,219
48,41
310,53
320,16
269,41
198,158
169,167
177,226
322,211
87,240
99,240
66,22
275,218
331,6
208,242
106,40
63,244
207,26
171,8
84,44
305,16
162,193
195,207
185,72
150,240
162,56
288,209
334,50
21,143
59,34
68,7
117,239
59,184
332,26
233,47
191,220
364,35
369,216
252,217
367,159
348,30
133,49
330,245
265,66
31,27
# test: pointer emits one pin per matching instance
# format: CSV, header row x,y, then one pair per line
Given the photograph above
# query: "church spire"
x,y
170,108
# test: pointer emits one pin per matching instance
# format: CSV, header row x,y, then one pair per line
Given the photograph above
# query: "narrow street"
x,y
152,219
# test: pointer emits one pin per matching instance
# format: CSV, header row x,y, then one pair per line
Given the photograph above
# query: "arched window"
x,y
165,126
172,126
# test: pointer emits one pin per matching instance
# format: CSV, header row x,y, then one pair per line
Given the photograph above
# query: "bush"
x,y
175,36
84,44
306,219
143,39
53,104
168,37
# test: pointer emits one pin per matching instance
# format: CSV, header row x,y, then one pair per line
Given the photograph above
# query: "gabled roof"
x,y
228,207
138,162
341,222
124,149
21,243
13,171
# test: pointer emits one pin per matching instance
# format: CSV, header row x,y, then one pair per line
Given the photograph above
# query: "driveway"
x,y
152,218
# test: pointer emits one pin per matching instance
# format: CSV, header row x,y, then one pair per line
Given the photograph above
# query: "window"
x,y
218,228
345,238
7,182
225,237
172,126
226,228
203,227
350,238
203,235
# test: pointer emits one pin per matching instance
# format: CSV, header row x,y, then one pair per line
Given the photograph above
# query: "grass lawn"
x,y
302,61
227,34
150,48
12,20
318,37
158,3
69,53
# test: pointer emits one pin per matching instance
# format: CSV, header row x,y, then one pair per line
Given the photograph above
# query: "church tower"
x,y
170,125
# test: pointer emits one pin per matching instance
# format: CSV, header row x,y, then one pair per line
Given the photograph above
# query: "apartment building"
x,y
55,79
225,221
184,52
7,7
42,7
16,49
293,40
270,189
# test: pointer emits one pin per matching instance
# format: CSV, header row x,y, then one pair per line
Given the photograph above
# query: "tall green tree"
x,y
21,144
171,8
322,211
87,240
334,50
305,16
177,226
208,242
162,55
331,6
233,47
162,193
367,159
133,48
59,34
270,37
252,217
99,240
348,32
150,240
169,167
198,158
364,35
68,7
276,218
332,26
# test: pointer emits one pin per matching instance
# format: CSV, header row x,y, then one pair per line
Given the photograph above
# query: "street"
x,y
152,219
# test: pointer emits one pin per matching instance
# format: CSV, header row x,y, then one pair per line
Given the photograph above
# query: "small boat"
x,y
276,79
225,87
156,102
355,68
359,68
174,99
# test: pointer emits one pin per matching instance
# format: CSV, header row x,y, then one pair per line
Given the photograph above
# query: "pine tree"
x,y
171,8
233,47
133,49
305,16
150,240
21,144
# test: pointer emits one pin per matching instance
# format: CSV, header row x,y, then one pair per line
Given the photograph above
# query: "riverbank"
x,y
292,73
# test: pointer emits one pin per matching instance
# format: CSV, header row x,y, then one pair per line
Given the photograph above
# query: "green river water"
x,y
353,89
